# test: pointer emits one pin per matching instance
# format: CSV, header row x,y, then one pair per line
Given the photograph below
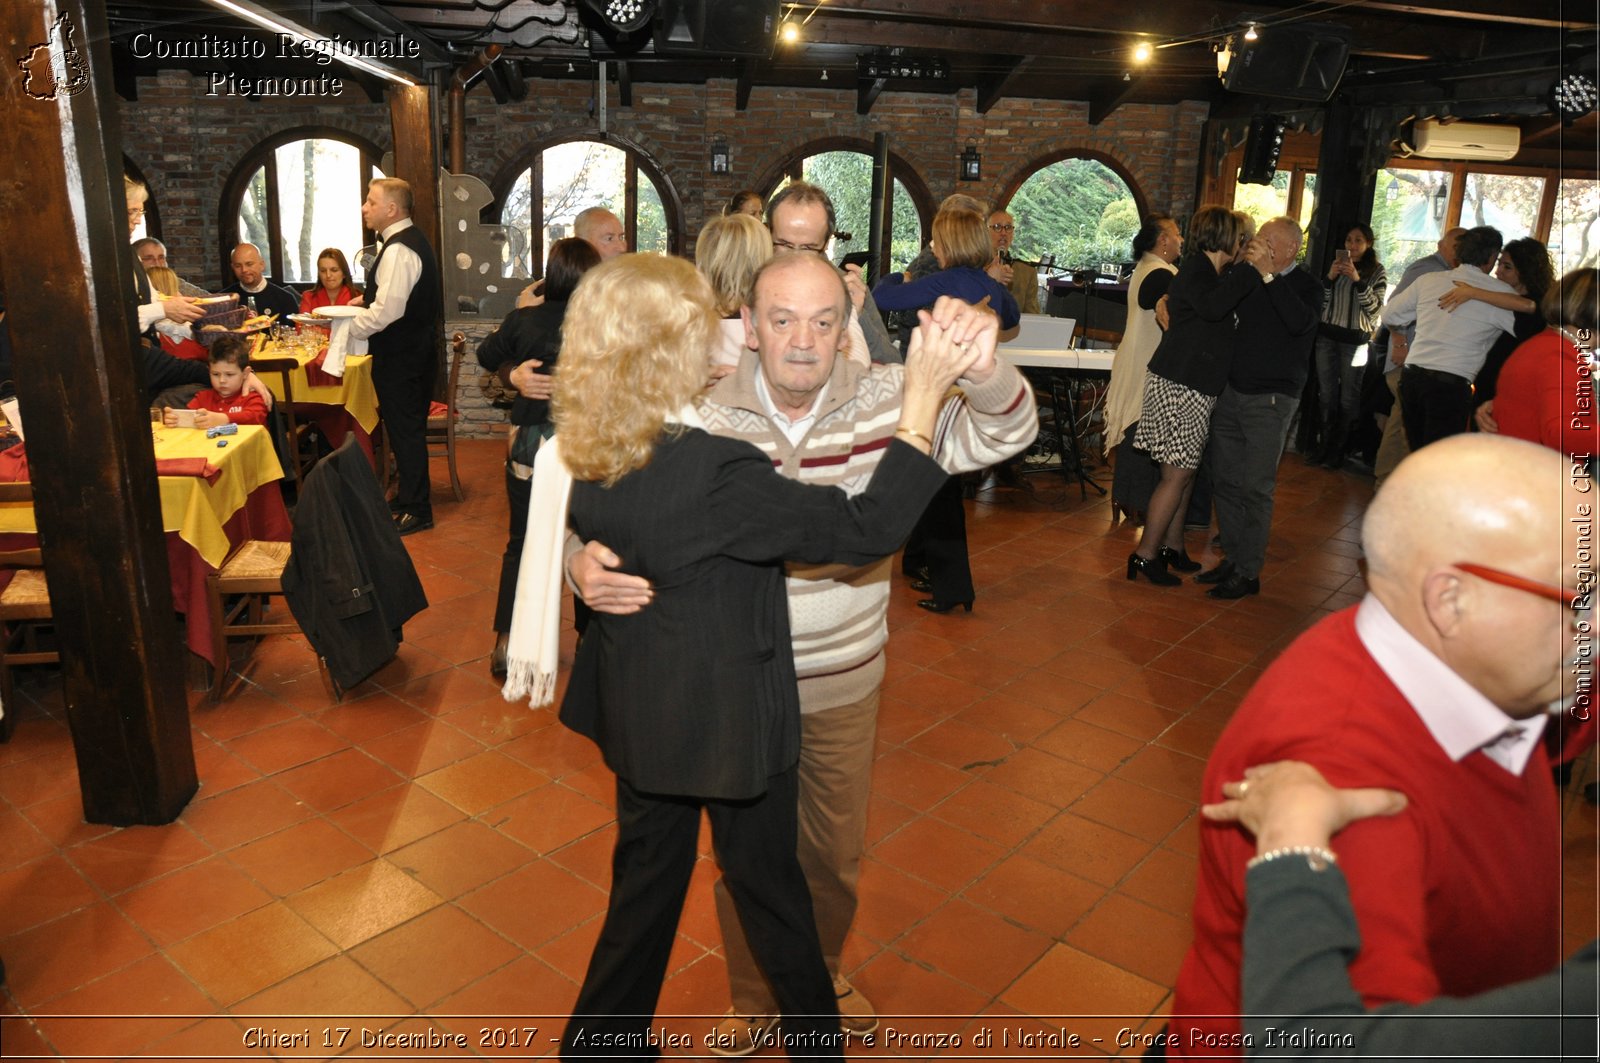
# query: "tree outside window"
x,y
572,177
1408,215
1509,202
306,196
847,178
1575,227
1079,210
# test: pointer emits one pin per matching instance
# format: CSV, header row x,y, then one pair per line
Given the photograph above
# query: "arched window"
x,y
844,171
294,195
542,197
1081,209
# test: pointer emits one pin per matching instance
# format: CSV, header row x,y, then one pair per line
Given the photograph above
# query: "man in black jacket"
x,y
1272,357
253,288
401,323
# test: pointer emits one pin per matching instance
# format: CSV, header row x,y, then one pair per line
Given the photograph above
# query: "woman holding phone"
x,y
1352,296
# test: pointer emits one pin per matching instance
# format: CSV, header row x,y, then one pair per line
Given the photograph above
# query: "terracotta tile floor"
x,y
423,855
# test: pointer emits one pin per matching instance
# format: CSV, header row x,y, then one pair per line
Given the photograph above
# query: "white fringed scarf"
x,y
533,650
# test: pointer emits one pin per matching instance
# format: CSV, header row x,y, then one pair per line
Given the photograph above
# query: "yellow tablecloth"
x,y
190,506
355,392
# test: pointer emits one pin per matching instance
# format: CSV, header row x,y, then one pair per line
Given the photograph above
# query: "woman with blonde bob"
x,y
692,699
728,253
961,245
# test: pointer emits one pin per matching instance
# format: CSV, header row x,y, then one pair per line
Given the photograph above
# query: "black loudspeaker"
x,y
1303,62
1261,149
718,27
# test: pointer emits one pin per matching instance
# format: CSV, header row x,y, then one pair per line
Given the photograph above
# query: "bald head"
x,y
1282,237
1485,501
602,229
1447,245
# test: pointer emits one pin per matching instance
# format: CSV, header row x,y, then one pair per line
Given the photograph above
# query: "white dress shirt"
x,y
796,429
399,269
1450,341
1460,719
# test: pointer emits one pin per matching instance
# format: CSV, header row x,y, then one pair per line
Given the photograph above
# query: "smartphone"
x,y
856,258
1342,255
185,418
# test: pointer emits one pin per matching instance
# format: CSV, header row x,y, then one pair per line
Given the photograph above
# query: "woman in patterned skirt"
x,y
1186,375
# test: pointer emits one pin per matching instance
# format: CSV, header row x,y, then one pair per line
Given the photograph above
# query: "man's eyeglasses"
x,y
1578,603
1003,228
780,244
135,212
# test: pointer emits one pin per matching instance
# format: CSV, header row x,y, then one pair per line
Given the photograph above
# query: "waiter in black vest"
x,y
400,323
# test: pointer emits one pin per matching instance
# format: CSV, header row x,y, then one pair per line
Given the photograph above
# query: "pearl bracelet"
x,y
1319,858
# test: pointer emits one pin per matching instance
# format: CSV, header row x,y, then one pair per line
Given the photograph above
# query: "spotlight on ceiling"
x,y
1142,52
1573,97
621,16
1251,34
789,32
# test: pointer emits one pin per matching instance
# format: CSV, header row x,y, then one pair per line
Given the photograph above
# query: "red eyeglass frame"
x,y
1575,602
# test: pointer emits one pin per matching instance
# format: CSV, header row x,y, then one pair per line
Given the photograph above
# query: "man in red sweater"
x,y
1438,685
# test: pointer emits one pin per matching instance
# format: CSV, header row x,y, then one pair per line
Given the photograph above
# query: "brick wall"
x,y
188,144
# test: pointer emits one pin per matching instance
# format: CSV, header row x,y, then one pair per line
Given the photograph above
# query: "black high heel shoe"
x,y
1154,569
922,586
943,607
1178,560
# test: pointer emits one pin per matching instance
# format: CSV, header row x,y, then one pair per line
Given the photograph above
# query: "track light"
x,y
1251,34
1142,52
789,31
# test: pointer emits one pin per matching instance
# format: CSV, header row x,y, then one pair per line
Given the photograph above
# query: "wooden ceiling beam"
x,y
743,83
867,93
992,88
1107,99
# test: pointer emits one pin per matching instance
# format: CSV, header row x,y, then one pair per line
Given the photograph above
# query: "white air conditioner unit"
x,y
1433,139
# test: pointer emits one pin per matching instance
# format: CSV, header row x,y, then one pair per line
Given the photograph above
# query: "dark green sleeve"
x,y
1300,934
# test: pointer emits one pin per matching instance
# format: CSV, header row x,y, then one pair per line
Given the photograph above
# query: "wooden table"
x,y
203,519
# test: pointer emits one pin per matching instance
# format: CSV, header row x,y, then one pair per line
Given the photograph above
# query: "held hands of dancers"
x,y
953,341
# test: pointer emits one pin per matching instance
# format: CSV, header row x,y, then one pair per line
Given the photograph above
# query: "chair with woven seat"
x,y
254,572
442,428
24,609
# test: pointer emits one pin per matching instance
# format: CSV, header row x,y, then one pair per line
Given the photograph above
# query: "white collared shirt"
x,y
398,272
1450,341
1460,719
794,430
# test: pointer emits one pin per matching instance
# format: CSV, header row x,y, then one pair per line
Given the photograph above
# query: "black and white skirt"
x,y
1174,422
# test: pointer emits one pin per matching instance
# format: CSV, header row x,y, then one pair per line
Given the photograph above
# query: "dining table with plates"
x,y
213,498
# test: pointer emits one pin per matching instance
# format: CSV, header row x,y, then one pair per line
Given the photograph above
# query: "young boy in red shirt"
x,y
226,400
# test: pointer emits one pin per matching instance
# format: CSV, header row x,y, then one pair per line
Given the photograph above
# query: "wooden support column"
x,y
1345,169
81,384
414,115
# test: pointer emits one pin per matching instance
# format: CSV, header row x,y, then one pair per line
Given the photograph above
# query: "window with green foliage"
x,y
1408,215
1079,210
1509,202
847,178
572,177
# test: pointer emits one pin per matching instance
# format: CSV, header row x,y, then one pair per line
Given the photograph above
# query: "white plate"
x,y
337,311
308,319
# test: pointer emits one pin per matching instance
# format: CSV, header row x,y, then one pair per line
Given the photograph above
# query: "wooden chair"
x,y
254,572
298,433
24,609
442,429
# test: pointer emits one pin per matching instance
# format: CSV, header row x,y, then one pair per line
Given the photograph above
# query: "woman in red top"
x,y
1546,391
335,287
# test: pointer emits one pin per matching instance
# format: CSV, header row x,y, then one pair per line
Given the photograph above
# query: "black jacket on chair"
x,y
349,583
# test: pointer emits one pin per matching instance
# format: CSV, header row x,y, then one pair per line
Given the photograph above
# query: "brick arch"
x,y
1111,162
521,158
900,168
238,179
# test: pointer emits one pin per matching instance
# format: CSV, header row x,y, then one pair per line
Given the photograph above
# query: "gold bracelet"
x,y
915,434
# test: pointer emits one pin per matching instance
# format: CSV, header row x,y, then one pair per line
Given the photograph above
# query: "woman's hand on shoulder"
x,y
1459,294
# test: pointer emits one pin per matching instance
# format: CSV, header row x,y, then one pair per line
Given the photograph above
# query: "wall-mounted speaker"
x,y
1297,62
720,27
1261,149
